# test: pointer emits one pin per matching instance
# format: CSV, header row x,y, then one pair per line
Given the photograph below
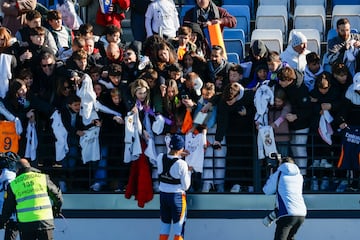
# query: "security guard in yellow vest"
x,y
35,199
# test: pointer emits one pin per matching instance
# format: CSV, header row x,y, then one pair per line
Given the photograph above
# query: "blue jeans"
x,y
100,171
69,162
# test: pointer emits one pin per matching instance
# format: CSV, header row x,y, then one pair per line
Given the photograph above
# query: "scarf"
x,y
213,13
215,71
353,96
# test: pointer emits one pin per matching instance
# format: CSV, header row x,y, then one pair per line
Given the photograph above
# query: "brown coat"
x,y
14,13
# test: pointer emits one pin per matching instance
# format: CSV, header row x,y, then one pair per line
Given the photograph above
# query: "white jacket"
x,y
289,199
294,59
162,17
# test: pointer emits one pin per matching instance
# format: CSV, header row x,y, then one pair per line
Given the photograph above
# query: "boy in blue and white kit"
x,y
175,179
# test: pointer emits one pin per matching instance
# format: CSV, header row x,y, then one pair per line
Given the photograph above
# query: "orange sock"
x,y
163,237
178,237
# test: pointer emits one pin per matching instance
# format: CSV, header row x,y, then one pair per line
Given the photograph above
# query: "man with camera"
x,y
290,209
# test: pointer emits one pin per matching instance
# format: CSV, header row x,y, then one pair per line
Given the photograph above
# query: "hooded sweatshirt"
x,y
289,198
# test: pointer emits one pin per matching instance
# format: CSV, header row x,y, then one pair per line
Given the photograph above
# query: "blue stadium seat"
x,y
50,4
325,63
285,3
183,10
344,2
331,34
235,46
233,57
242,15
272,16
189,2
312,17
351,12
234,33
310,2
273,38
249,3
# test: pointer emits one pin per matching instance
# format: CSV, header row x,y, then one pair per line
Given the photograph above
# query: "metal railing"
x,y
242,165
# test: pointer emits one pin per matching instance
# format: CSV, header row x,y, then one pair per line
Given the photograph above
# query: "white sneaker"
x,y
62,186
95,187
236,188
316,163
324,164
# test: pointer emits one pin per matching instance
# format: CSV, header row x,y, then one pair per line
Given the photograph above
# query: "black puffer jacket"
x,y
298,96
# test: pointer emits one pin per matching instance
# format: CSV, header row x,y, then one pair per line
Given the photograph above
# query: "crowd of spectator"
x,y
108,106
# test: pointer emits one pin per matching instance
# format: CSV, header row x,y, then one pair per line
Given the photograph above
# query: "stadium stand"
x,y
269,16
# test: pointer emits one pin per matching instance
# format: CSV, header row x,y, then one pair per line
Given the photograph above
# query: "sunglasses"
x,y
47,65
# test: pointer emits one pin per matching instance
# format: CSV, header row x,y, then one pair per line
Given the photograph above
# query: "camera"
x,y
185,96
269,219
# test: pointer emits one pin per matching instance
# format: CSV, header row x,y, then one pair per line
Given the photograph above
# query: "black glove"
x,y
12,225
56,211
2,224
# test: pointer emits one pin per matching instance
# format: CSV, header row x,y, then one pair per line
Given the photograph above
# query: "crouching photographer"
x,y
286,183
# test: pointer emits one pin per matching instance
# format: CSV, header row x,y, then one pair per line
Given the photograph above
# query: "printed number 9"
x,y
7,143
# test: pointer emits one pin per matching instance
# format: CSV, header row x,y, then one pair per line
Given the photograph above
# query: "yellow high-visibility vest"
x,y
33,202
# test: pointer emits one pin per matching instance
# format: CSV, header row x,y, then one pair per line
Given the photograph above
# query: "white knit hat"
x,y
298,38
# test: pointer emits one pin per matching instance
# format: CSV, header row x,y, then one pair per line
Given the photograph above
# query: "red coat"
x,y
140,181
113,18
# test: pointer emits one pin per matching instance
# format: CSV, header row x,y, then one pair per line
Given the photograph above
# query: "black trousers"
x,y
37,235
287,227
